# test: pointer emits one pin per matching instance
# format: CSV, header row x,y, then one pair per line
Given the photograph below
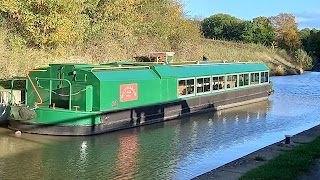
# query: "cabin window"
x,y
254,78
217,83
203,85
182,88
185,87
243,80
264,77
232,81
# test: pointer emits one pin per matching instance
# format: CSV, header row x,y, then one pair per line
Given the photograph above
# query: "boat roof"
x,y
126,69
215,69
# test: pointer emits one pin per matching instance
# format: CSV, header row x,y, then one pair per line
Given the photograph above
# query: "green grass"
x,y
289,165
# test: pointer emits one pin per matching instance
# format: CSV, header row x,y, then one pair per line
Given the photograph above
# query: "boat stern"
x,y
53,121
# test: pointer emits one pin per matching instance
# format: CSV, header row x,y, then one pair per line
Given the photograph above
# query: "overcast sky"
x,y
307,12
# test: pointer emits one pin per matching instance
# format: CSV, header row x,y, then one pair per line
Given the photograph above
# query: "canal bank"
x,y
238,167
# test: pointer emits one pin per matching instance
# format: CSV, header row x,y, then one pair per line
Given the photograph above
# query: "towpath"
x,y
235,169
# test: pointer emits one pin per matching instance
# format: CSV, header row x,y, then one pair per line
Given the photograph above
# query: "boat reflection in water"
x,y
257,110
127,156
205,143
178,149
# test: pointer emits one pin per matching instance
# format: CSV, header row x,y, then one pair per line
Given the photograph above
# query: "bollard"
x,y
288,139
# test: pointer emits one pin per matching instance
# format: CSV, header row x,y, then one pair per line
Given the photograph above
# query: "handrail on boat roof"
x,y
212,64
163,63
121,67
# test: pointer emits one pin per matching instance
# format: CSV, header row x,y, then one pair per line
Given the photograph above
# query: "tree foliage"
x,y
303,59
263,31
313,46
123,24
304,36
310,39
41,24
286,30
222,26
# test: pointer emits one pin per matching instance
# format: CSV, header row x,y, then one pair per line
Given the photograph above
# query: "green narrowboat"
x,y
86,99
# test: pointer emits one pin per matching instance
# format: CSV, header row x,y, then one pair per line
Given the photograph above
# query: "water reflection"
x,y
127,156
179,149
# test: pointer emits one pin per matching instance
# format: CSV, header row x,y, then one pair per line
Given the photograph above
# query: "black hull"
x,y
128,118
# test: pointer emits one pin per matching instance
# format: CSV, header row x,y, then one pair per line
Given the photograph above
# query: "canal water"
x,y
178,149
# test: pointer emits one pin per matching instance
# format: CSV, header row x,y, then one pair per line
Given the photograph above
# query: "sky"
x,y
307,12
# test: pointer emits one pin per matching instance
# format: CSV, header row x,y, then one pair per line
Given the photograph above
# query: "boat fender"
x,y
18,133
27,113
270,92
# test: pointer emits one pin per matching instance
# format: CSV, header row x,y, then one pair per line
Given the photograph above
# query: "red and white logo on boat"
x,y
128,92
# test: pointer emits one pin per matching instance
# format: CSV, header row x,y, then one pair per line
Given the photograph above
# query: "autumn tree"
x,y
286,31
100,26
38,23
164,20
141,24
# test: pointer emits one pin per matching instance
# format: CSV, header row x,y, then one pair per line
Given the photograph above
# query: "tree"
x,y
304,36
259,31
100,26
286,31
313,47
263,31
43,24
222,26
309,40
248,32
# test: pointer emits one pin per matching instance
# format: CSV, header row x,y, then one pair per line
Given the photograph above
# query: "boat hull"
x,y
137,116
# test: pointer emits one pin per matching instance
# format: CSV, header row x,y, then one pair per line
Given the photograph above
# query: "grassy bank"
x,y
289,165
226,50
14,63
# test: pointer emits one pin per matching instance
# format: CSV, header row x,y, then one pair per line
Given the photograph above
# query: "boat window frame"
x,y
224,83
196,85
237,81
254,83
185,88
244,85
268,77
224,76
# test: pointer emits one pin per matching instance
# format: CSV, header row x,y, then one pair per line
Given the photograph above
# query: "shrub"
x,y
259,158
303,59
279,71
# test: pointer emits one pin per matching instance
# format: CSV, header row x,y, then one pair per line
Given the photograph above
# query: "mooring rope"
x,y
63,95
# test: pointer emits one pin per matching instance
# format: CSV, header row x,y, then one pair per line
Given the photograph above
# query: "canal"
x,y
178,149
